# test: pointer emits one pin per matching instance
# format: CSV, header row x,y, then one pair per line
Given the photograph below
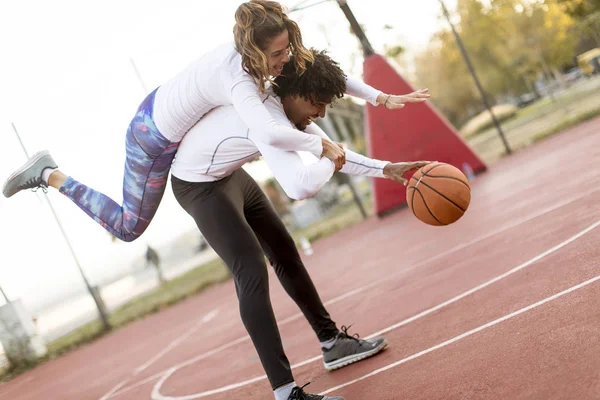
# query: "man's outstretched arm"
x,y
357,164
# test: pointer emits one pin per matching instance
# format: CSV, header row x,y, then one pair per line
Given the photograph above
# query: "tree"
x,y
557,42
579,9
509,42
586,13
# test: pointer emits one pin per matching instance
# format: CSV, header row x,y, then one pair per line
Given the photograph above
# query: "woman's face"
x,y
278,53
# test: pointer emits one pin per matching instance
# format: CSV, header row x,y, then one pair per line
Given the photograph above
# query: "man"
x,y
240,224
152,258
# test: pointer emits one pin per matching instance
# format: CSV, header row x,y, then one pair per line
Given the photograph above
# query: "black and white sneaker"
x,y
299,394
350,349
29,176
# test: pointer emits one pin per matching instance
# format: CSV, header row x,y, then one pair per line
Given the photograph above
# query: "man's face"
x,y
302,111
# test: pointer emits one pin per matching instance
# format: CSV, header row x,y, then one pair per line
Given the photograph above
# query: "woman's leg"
x,y
148,160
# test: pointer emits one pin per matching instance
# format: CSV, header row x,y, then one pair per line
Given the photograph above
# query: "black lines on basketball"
x,y
426,206
444,196
430,169
412,199
449,177
444,199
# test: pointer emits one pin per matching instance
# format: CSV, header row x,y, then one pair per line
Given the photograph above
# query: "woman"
x,y
229,74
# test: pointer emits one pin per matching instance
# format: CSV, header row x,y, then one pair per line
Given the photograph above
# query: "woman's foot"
x,y
29,176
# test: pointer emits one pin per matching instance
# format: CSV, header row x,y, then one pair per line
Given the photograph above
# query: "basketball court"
x,y
503,304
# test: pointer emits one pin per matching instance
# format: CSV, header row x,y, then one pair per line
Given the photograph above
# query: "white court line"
x,y
157,396
374,283
112,391
464,335
206,318
176,342
156,390
488,283
229,345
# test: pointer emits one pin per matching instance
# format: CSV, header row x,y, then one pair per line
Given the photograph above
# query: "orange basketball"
x,y
438,194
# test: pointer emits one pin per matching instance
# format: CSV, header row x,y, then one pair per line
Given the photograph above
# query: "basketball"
x,y
438,194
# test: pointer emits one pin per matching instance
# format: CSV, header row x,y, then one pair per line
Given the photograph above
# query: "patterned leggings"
x,y
147,163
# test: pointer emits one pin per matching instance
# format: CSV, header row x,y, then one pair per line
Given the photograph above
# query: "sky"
x,y
68,84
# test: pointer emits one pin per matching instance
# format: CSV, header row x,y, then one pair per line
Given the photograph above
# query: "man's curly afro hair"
x,y
321,83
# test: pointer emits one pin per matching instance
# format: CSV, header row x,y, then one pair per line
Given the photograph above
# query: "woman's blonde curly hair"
x,y
256,23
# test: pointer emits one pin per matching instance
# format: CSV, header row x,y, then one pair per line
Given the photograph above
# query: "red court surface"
x,y
504,304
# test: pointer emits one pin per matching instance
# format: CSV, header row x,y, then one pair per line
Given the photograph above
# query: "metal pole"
x,y
474,75
343,178
4,295
101,308
300,6
137,73
356,28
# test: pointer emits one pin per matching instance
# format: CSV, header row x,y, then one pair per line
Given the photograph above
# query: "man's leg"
x,y
339,348
281,251
217,208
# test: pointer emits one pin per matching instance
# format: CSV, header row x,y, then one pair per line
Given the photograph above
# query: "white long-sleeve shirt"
x,y
217,78
220,143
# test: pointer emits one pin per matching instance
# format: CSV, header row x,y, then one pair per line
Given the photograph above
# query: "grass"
x,y
541,120
567,123
173,291
547,104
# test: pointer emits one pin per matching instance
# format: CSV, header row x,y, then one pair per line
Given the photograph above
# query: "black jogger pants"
x,y
239,223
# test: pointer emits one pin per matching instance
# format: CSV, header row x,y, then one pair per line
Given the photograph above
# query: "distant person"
x,y
234,74
153,259
239,222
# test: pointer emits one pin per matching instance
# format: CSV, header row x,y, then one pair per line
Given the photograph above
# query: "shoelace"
x,y
35,184
299,394
44,189
353,337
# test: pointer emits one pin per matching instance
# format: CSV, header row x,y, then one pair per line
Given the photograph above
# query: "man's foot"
x,y
299,394
350,349
29,176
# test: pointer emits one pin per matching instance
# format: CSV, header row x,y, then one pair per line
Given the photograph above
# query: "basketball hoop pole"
x,y
356,28
475,78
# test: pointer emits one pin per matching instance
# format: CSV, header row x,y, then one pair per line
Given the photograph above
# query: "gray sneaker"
x,y
299,394
29,176
350,349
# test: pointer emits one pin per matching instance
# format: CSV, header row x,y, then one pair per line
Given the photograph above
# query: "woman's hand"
x,y
393,102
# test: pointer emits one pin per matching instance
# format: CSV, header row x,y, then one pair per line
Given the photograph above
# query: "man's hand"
x,y
394,102
396,171
335,152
